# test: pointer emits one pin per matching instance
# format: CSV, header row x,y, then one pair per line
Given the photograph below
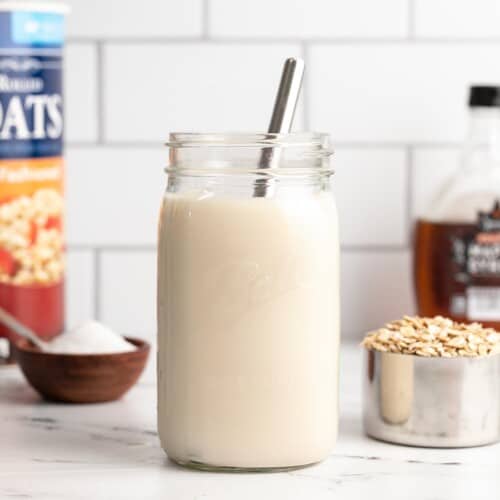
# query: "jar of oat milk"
x,y
248,302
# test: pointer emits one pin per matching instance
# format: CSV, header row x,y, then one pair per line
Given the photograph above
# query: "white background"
x,y
387,78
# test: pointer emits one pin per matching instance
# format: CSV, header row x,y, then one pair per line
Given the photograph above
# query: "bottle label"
x,y
457,268
477,259
477,254
483,303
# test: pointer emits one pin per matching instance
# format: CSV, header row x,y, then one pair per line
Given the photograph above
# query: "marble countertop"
x,y
56,451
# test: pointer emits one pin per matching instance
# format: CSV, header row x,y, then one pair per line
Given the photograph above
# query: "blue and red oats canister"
x,y
31,166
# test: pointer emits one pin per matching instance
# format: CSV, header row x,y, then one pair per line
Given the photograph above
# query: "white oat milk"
x,y
248,324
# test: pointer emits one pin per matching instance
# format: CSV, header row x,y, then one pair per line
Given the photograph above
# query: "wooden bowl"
x,y
81,378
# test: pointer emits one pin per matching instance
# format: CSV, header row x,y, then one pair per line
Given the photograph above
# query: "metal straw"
x,y
12,323
282,117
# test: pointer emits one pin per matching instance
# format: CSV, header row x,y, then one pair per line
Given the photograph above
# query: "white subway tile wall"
x,y
395,92
308,18
127,298
114,195
376,287
130,18
189,87
369,189
458,18
432,170
80,84
80,287
387,79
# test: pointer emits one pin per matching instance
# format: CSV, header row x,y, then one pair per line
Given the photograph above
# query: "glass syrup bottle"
x,y
457,242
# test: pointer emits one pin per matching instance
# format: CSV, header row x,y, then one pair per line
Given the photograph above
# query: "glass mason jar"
x,y
248,302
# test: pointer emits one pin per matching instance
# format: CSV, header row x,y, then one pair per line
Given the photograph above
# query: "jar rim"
x,y
249,139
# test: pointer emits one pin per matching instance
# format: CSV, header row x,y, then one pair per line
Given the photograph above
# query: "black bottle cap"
x,y
484,96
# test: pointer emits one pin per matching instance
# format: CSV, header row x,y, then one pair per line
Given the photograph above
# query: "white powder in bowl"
x,y
90,338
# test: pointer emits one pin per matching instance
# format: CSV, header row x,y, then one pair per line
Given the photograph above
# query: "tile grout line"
x,y
113,248
187,40
205,20
374,248
100,91
410,172
408,189
98,251
305,86
411,20
97,284
340,144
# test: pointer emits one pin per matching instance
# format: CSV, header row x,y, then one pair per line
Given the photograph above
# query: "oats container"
x,y
431,401
32,166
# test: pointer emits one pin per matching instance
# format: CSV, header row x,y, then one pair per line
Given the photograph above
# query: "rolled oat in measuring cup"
x,y
31,166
